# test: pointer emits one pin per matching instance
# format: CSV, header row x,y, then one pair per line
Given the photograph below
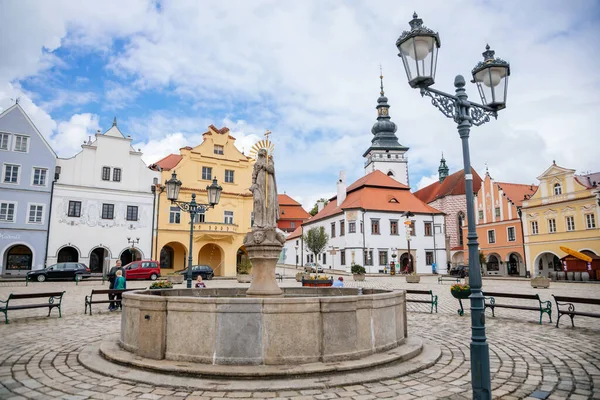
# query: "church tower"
x,y
385,153
443,169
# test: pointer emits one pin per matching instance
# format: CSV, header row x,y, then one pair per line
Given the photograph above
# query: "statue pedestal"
x,y
264,260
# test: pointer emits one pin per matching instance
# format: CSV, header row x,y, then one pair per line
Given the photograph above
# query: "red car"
x,y
143,269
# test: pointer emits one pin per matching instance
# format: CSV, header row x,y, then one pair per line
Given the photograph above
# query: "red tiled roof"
x,y
589,180
376,192
286,200
222,131
167,163
453,185
296,234
516,192
293,212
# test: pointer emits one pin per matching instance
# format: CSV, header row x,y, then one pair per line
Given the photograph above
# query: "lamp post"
x,y
214,194
407,226
133,242
418,51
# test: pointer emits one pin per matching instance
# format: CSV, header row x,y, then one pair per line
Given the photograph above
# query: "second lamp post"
x,y
214,195
418,50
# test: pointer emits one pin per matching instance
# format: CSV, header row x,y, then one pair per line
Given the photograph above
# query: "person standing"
x,y
120,284
112,276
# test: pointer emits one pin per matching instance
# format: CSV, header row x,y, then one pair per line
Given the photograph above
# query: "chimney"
x,y
341,188
320,205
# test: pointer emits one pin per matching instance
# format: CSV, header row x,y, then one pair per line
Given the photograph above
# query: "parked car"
x,y
460,270
143,269
313,267
204,270
60,271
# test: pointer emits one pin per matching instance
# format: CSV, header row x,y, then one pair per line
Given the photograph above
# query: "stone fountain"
x,y
263,331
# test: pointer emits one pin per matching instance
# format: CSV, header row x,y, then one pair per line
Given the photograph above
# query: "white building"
x,y
366,225
102,204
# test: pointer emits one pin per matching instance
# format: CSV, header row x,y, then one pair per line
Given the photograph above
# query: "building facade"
x,y
499,228
564,211
103,204
448,195
219,232
366,224
28,168
291,214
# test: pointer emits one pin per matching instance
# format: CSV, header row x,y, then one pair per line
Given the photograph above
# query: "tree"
x,y
315,209
316,240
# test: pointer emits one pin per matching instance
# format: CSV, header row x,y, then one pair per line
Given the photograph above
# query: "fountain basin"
x,y
224,327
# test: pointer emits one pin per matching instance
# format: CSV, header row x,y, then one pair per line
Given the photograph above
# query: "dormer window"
x,y
218,149
557,189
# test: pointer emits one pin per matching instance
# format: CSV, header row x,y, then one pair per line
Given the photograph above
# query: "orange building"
x,y
499,229
291,213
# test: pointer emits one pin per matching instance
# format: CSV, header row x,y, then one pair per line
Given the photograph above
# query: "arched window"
x,y
460,221
390,173
557,189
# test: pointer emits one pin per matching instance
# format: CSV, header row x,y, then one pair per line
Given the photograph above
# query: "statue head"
x,y
259,237
262,153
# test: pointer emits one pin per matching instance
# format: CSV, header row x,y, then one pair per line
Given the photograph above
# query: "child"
x,y
120,284
199,283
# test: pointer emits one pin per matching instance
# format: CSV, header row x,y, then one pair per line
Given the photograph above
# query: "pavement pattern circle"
x,y
39,356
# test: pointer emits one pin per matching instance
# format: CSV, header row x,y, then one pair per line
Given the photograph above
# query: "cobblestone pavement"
x,y
38,355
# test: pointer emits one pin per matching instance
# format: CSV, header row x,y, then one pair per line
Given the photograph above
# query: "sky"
x,y
309,72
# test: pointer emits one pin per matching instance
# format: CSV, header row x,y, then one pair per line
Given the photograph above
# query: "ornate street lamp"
x,y
491,76
214,195
132,242
408,228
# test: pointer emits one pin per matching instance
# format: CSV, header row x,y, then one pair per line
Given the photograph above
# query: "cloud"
x,y
72,133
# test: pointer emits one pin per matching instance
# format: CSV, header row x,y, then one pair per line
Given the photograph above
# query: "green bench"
x,y
432,300
448,278
89,300
543,307
52,297
570,310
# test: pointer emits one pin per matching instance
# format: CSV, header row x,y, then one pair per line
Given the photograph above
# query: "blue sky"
x,y
308,71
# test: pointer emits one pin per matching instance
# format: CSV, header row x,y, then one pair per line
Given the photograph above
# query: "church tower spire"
x,y
443,169
386,153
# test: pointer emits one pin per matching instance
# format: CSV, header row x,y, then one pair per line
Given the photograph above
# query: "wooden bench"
x,y
89,300
542,307
52,297
448,278
433,300
279,277
571,312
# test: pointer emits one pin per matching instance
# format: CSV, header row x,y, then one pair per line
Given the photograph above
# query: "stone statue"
x,y
264,191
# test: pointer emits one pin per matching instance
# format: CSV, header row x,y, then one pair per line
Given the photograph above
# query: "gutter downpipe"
x,y
523,237
56,176
157,214
363,235
433,233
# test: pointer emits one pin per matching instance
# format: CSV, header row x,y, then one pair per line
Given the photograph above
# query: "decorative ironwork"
x,y
490,61
450,107
417,29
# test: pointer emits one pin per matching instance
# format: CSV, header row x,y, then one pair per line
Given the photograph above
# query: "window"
x,y
21,143
428,230
132,213
175,215
333,229
106,173
590,221
352,227
362,228
324,258
228,217
108,211
497,212
74,209
480,214
534,228
229,175
570,223
368,257
393,227
293,225
11,173
374,227
4,137
218,149
36,212
557,189
412,228
492,236
342,228
383,257
461,220
117,174
511,234
7,212
552,225
343,257
429,257
207,173
39,176
200,218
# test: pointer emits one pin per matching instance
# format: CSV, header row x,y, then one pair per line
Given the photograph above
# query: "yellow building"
x,y
219,233
564,211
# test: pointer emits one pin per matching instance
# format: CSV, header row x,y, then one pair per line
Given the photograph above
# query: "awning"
x,y
576,254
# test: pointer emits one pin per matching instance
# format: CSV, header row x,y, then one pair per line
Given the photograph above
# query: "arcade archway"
x,y
67,254
212,254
